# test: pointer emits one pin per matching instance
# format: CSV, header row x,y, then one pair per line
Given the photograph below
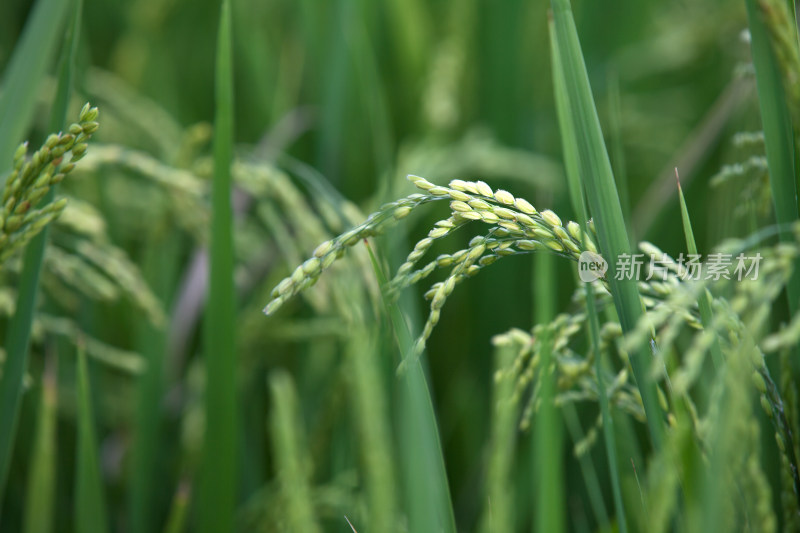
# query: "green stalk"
x,y
779,140
427,491
571,159
598,179
547,443
160,262
25,74
17,342
39,505
547,430
90,507
219,481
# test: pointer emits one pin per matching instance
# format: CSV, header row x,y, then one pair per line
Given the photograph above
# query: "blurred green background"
x,y
350,95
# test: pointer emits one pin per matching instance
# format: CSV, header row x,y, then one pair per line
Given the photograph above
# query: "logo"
x,y
591,266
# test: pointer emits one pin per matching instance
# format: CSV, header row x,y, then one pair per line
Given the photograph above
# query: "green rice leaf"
x,y
219,478
19,331
25,73
598,179
90,504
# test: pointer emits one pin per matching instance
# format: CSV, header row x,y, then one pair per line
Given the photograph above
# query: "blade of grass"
x,y
570,148
289,455
24,75
547,429
217,495
598,179
706,315
547,445
39,505
90,506
17,342
617,149
427,490
779,141
161,263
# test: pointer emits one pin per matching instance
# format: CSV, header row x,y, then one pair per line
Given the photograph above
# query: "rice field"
x,y
399,266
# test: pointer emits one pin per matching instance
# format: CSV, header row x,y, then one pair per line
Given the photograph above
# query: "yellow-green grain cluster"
x,y
31,178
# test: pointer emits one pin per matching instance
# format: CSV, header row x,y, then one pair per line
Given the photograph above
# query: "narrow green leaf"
x,y
19,329
24,75
427,491
571,155
547,443
219,481
161,262
706,314
598,179
90,506
779,141
39,504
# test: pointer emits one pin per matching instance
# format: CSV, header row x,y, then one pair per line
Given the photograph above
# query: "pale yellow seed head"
x,y
504,197
561,233
329,259
510,226
551,218
484,189
554,245
446,223
489,217
444,260
459,206
437,233
574,229
458,195
323,249
273,306
470,215
469,186
424,244
476,252
283,287
401,212
525,206
572,246
525,220
439,298
311,266
449,285
528,245
439,191
479,204
502,212
459,185
420,183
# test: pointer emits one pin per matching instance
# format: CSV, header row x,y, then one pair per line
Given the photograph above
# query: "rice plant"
x,y
399,266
